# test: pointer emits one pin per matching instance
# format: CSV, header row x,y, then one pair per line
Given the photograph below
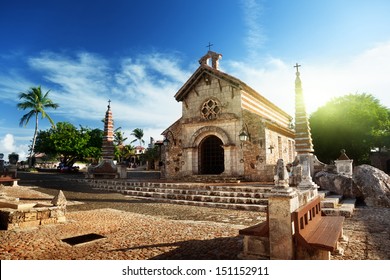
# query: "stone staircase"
x,y
245,196
240,196
336,205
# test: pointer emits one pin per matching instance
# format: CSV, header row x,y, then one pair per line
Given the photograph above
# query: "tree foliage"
x,y
138,133
37,102
355,122
71,144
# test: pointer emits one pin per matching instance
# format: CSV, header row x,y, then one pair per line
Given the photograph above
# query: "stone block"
x,y
30,216
48,221
255,248
41,215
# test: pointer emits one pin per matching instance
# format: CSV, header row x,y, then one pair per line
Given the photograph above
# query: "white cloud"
x,y
11,85
274,78
141,90
81,83
255,36
8,145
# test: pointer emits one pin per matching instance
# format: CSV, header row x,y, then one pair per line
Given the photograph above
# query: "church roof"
x,y
233,81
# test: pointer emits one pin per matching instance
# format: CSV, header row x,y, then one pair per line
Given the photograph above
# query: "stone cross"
x,y
297,66
209,46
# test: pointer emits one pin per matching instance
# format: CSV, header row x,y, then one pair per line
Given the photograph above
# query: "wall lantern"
x,y
166,140
244,134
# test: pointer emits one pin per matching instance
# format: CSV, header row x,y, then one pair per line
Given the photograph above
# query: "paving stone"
x,y
140,229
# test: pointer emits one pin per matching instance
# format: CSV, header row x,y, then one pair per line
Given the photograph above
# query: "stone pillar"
x,y
188,169
281,203
228,159
122,171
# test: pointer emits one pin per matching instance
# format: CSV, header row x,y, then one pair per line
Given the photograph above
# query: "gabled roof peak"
x,y
204,60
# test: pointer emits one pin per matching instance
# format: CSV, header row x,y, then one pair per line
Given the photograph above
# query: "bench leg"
x,y
15,183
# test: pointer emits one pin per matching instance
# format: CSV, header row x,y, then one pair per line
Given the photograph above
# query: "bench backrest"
x,y
306,214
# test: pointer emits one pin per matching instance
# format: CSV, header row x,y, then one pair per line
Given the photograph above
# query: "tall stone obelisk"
x,y
106,168
108,149
303,140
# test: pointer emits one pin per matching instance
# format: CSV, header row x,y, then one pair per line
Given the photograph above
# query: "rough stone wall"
x,y
259,159
254,152
214,88
14,219
172,155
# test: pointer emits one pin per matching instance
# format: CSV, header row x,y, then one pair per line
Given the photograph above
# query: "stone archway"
x,y
211,155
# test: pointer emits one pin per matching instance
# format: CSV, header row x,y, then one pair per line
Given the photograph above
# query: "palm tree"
x,y
119,137
138,133
36,102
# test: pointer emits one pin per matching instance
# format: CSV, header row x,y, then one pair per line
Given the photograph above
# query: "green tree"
x,y
151,155
37,102
138,133
70,143
93,150
355,122
119,137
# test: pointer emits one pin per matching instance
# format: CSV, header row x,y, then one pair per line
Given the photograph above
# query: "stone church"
x,y
227,129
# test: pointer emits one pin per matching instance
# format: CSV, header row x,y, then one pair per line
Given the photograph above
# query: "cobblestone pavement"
x,y
137,229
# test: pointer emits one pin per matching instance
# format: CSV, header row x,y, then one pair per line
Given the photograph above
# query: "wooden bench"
x,y
8,179
314,231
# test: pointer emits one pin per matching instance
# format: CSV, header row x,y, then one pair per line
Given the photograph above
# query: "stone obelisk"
x,y
108,149
303,140
106,168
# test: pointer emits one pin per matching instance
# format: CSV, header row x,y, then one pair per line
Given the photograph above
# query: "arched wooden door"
x,y
211,156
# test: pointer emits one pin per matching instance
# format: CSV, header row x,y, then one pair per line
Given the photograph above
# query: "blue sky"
x,y
139,53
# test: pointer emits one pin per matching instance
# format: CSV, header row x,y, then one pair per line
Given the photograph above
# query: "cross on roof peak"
x,y
297,67
209,46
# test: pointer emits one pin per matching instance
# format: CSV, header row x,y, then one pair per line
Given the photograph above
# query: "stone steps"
x,y
232,198
253,197
244,196
336,205
247,193
248,207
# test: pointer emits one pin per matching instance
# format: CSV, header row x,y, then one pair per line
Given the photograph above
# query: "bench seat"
x,y
8,179
312,230
261,229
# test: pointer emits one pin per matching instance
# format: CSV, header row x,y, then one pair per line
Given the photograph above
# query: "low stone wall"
x,y
16,219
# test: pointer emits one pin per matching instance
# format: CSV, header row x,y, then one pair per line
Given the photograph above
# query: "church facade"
x,y
226,129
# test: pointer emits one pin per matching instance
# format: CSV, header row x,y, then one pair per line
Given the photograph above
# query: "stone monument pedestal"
x,y
281,204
